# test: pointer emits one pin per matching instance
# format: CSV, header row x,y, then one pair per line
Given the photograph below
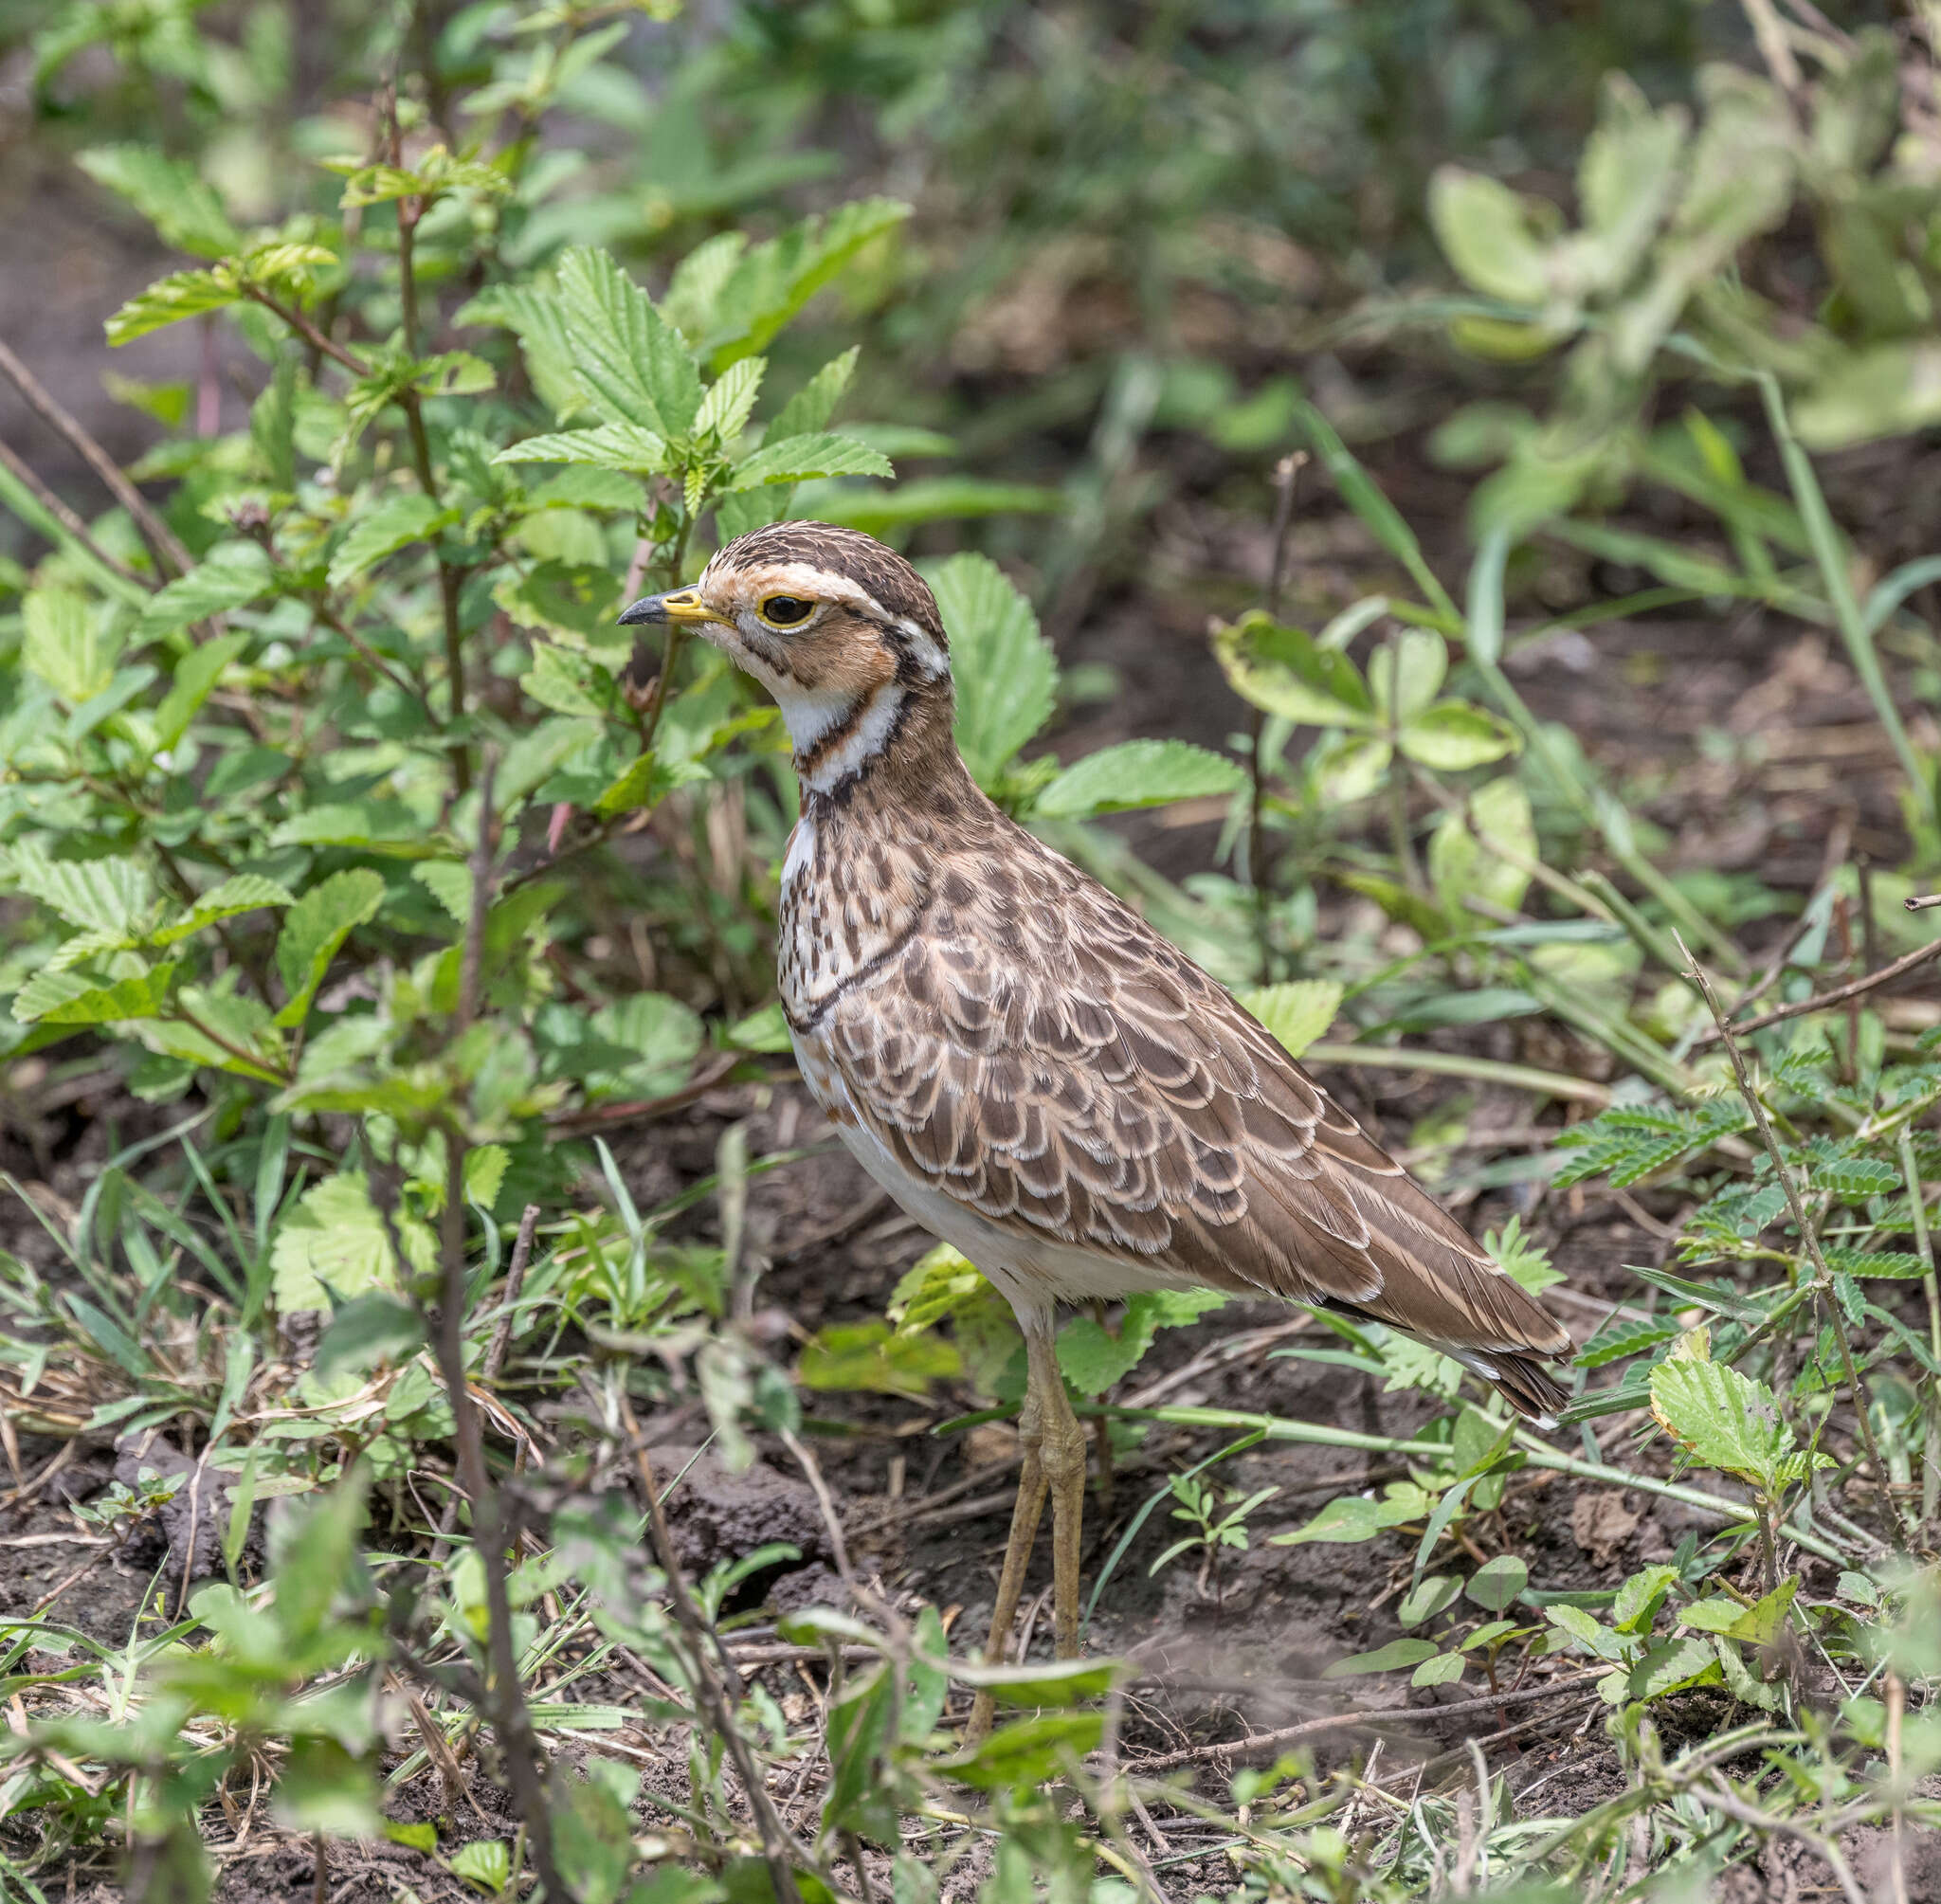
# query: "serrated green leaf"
x,y
168,301
231,575
793,459
1027,1752
730,402
1672,1665
609,445
63,644
1475,853
1093,1357
765,285
316,927
1004,671
65,998
335,1236
1138,773
392,524
625,354
645,782
811,407
246,893
169,192
1721,1418
1296,1012
113,897
485,1168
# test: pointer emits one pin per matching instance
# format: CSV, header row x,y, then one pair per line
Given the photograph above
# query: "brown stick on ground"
x,y
160,539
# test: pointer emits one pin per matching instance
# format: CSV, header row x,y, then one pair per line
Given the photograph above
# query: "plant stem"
x,y
1809,1236
1830,556
1286,478
1454,1065
505,1700
162,542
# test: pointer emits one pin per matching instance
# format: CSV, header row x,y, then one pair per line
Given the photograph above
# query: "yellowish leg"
x,y
1054,1451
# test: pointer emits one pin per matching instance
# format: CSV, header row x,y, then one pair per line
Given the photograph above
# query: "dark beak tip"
x,y
644,612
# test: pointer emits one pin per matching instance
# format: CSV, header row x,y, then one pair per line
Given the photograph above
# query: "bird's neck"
x,y
895,737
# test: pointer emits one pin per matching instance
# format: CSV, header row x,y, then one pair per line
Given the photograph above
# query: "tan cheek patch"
x,y
848,660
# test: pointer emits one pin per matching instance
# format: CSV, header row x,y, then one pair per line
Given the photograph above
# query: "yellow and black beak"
x,y
681,608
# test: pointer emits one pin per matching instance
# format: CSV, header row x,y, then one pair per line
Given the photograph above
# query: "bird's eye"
x,y
785,612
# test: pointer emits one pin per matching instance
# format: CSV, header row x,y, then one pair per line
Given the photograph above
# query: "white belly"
x,y
1033,1274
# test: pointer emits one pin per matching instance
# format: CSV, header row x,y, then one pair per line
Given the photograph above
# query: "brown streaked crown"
x,y
880,573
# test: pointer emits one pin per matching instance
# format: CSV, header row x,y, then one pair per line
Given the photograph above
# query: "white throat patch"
x,y
869,731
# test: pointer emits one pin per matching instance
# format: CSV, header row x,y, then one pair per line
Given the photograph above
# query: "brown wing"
x,y
1041,1054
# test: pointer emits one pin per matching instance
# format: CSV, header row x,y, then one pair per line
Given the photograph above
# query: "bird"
x,y
1032,1072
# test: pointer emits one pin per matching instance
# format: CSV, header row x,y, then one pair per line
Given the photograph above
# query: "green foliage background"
x,y
343,828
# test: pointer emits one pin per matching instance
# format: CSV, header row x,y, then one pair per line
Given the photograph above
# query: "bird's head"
x,y
842,630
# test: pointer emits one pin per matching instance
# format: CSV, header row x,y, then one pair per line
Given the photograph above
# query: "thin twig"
x,y
1311,1729
777,1844
504,1697
1839,995
68,521
515,1282
162,542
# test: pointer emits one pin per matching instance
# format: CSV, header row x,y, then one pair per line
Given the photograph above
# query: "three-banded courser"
x,y
1030,1069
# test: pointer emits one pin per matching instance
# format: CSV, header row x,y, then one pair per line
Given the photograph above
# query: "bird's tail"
x,y
1523,1381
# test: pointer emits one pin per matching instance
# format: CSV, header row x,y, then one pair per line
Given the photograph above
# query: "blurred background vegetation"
x,y
1493,444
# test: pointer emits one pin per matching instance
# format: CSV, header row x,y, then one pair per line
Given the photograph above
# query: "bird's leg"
x,y
1010,1584
1061,1459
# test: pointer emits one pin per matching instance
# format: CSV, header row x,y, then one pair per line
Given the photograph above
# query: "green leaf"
x,y
368,1330
769,283
1453,736
1093,1357
111,896
1672,1665
1138,773
335,1237
795,457
63,645
1298,1012
628,357
1443,1670
1468,849
316,925
730,402
1027,1752
1424,1602
231,575
1588,1632
392,524
938,499
169,192
1004,671
197,675
1407,673
763,1031
1383,1659
652,1042
609,445
1498,1582
1626,180
65,998
645,782
485,1168
1484,229
1285,671
246,893
811,407
573,598
486,1863
1722,1419
168,301
869,1357
1355,1517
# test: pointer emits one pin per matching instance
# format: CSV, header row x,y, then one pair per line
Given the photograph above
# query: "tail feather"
x,y
1521,1379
